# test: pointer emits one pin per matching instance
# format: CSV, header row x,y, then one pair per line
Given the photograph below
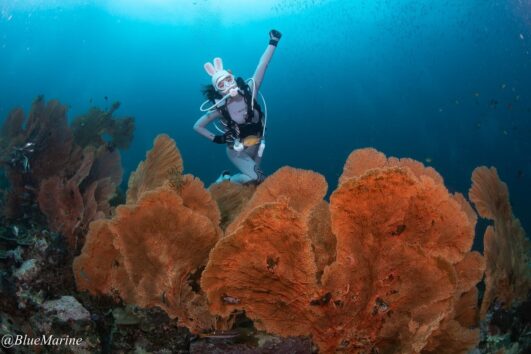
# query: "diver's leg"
x,y
253,153
247,166
225,176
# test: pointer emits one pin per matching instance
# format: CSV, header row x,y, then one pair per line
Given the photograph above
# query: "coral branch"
x,y
161,162
154,249
230,198
506,248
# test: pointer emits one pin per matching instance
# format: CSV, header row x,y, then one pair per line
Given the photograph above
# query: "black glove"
x,y
219,139
274,37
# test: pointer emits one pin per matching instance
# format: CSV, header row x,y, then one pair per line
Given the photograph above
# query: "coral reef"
x,y
162,227
51,190
230,198
507,330
384,266
161,162
396,282
33,150
507,250
71,204
49,172
266,344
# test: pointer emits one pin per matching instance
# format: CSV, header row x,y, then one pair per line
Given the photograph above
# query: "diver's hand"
x,y
274,37
220,139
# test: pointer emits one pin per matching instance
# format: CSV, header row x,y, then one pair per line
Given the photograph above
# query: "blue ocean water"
x,y
445,82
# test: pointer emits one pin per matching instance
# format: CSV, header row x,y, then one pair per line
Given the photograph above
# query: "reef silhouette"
x,y
59,170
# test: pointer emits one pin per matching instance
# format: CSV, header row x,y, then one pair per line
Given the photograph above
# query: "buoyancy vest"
x,y
252,125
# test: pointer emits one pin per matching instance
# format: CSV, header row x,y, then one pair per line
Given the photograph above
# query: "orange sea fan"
x,y
267,268
395,280
70,204
391,227
459,330
163,160
62,202
197,198
153,250
230,198
303,190
362,160
95,268
507,250
323,240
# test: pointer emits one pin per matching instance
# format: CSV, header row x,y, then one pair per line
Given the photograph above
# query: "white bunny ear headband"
x,y
216,70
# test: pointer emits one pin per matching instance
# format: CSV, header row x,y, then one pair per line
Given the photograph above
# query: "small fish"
x,y
428,159
456,101
230,300
15,230
476,94
503,86
440,110
522,36
505,132
220,335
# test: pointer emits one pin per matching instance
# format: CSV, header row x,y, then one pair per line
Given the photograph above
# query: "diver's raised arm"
x,y
274,37
200,125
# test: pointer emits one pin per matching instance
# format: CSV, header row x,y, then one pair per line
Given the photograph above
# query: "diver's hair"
x,y
210,93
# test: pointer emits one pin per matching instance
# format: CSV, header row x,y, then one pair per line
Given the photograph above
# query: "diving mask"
x,y
224,84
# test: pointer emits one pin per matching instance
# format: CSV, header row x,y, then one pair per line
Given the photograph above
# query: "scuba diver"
x,y
243,122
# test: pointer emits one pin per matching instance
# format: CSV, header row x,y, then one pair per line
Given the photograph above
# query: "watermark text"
x,y
9,341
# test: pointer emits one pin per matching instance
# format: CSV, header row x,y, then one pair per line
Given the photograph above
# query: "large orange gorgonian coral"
x,y
266,268
161,161
231,198
151,251
506,248
304,192
386,266
363,160
397,283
